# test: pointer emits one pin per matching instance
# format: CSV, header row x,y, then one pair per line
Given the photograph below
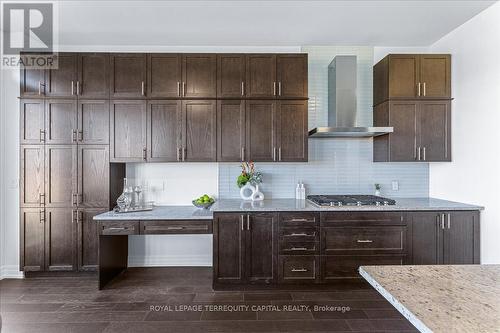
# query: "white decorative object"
x,y
377,193
247,191
257,195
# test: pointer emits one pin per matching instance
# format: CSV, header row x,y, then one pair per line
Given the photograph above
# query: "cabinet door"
x,y
198,131
60,175
229,248
164,75
261,75
291,74
61,121
427,238
260,123
435,75
461,238
403,75
32,239
434,123
403,117
61,82
261,247
60,236
128,131
230,130
32,176
93,176
230,75
32,121
164,131
93,122
93,75
199,75
128,75
32,82
88,238
291,131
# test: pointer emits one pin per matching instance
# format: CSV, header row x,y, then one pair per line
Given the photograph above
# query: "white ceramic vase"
x,y
247,191
257,195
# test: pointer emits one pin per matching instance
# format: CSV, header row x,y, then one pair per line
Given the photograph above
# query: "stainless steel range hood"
x,y
342,103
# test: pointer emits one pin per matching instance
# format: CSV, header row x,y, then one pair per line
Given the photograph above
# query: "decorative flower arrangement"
x,y
248,175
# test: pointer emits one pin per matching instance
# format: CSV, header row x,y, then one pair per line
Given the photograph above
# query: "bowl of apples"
x,y
205,201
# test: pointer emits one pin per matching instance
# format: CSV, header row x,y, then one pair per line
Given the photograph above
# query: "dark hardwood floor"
x,y
149,300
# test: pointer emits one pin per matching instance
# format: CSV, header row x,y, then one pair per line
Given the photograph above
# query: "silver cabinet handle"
x,y
144,153
279,88
42,198
39,87
79,216
423,153
248,222
274,88
78,87
178,89
175,228
80,135
242,222
73,135
299,270
279,154
178,154
419,153
298,234
183,88
301,220
142,88
183,154
42,215
442,221
115,228
242,88
364,241
424,90
72,88
73,199
449,221
418,89
298,249
243,154
274,153
42,135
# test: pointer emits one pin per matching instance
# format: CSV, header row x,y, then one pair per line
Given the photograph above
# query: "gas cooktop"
x,y
349,200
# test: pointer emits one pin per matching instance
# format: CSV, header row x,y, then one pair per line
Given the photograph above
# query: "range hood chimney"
x,y
342,103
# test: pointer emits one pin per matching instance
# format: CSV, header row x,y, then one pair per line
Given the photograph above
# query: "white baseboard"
x,y
10,272
172,260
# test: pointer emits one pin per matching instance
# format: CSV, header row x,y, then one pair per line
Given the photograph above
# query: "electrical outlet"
x,y
395,185
14,183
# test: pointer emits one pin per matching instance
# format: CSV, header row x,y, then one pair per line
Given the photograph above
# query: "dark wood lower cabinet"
x,y
60,239
32,239
88,238
261,247
342,267
229,248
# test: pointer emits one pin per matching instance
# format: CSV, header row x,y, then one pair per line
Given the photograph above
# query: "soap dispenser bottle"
x,y
297,192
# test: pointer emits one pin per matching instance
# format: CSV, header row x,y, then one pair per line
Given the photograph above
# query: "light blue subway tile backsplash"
x,y
336,166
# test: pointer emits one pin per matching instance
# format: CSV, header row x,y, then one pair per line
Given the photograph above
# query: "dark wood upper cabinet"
x,y
260,130
199,75
231,130
427,242
61,82
93,176
60,175
60,239
32,121
32,239
230,75
199,130
229,248
93,75
261,76
435,72
164,131
461,238
61,121
128,75
32,82
128,131
164,75
412,76
261,248
291,74
291,131
87,238
93,122
434,130
32,175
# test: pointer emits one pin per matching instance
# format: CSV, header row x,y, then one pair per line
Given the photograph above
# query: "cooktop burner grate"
x,y
350,200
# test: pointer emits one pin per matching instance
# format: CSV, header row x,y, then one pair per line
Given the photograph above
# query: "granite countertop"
x,y
402,204
160,213
441,298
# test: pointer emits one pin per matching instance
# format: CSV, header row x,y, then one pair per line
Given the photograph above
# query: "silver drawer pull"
x,y
365,241
299,270
116,228
299,249
299,234
301,220
175,228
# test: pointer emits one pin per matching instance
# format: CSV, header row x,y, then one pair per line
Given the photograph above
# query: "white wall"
x,y
473,176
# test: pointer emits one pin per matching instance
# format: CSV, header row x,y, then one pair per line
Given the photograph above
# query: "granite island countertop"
x,y
441,298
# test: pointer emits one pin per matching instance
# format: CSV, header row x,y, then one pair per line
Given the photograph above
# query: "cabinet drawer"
x,y
119,227
299,248
338,267
176,227
298,219
299,234
363,240
361,218
299,268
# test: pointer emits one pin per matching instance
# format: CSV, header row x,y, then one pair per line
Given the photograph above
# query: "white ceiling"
x,y
261,23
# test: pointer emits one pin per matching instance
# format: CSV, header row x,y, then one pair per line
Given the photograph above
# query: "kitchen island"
x,y
445,298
